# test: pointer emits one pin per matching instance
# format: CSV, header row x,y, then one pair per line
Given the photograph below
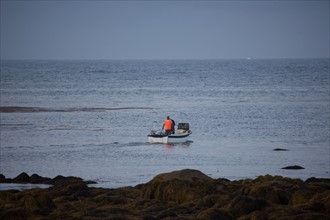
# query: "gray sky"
x,y
164,29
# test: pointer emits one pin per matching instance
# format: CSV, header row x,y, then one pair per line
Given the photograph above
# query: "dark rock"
x,y
166,214
38,201
118,200
70,198
90,182
13,214
300,197
280,149
36,179
44,211
180,195
78,189
82,193
8,180
308,216
148,217
61,180
312,200
242,205
317,180
283,196
2,178
184,175
269,179
295,167
268,192
214,214
207,202
22,178
257,215
179,186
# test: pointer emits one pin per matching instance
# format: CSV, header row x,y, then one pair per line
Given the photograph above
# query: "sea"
x,y
91,118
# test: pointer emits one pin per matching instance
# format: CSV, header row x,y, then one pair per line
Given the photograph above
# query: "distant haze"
x,y
164,29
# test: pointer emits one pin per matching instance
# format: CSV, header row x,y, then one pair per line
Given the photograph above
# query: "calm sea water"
x,y
238,110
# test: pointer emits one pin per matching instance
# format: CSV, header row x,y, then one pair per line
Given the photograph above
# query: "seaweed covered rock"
x,y
214,213
185,194
62,181
178,186
25,178
242,205
13,214
312,200
38,201
36,179
22,178
270,193
2,178
20,205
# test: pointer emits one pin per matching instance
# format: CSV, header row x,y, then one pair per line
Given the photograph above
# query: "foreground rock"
x,y
179,186
185,194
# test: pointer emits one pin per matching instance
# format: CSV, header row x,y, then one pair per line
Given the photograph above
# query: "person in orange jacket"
x,y
168,126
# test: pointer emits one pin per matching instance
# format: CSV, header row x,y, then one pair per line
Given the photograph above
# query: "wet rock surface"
x,y
185,194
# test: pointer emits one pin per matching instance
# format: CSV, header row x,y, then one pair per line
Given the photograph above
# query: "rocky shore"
x,y
184,194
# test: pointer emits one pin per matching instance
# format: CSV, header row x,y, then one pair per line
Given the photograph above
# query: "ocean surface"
x,y
91,118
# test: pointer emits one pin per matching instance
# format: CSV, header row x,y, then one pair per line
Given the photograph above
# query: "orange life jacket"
x,y
168,124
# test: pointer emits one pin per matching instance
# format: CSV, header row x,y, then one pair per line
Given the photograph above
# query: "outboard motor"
x,y
183,126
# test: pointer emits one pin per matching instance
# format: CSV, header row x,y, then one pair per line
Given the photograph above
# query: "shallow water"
x,y
21,186
95,116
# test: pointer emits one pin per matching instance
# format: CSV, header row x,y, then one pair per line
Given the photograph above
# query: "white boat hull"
x,y
158,139
173,138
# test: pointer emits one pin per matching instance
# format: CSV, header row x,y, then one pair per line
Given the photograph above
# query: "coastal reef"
x,y
184,194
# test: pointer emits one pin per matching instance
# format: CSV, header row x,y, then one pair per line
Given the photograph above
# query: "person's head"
x,y
168,117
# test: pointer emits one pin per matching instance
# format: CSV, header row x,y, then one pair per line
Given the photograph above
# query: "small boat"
x,y
180,135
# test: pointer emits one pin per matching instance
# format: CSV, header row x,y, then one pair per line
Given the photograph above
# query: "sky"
x,y
164,29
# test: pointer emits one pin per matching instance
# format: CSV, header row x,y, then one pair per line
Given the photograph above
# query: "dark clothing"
x,y
168,132
173,126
